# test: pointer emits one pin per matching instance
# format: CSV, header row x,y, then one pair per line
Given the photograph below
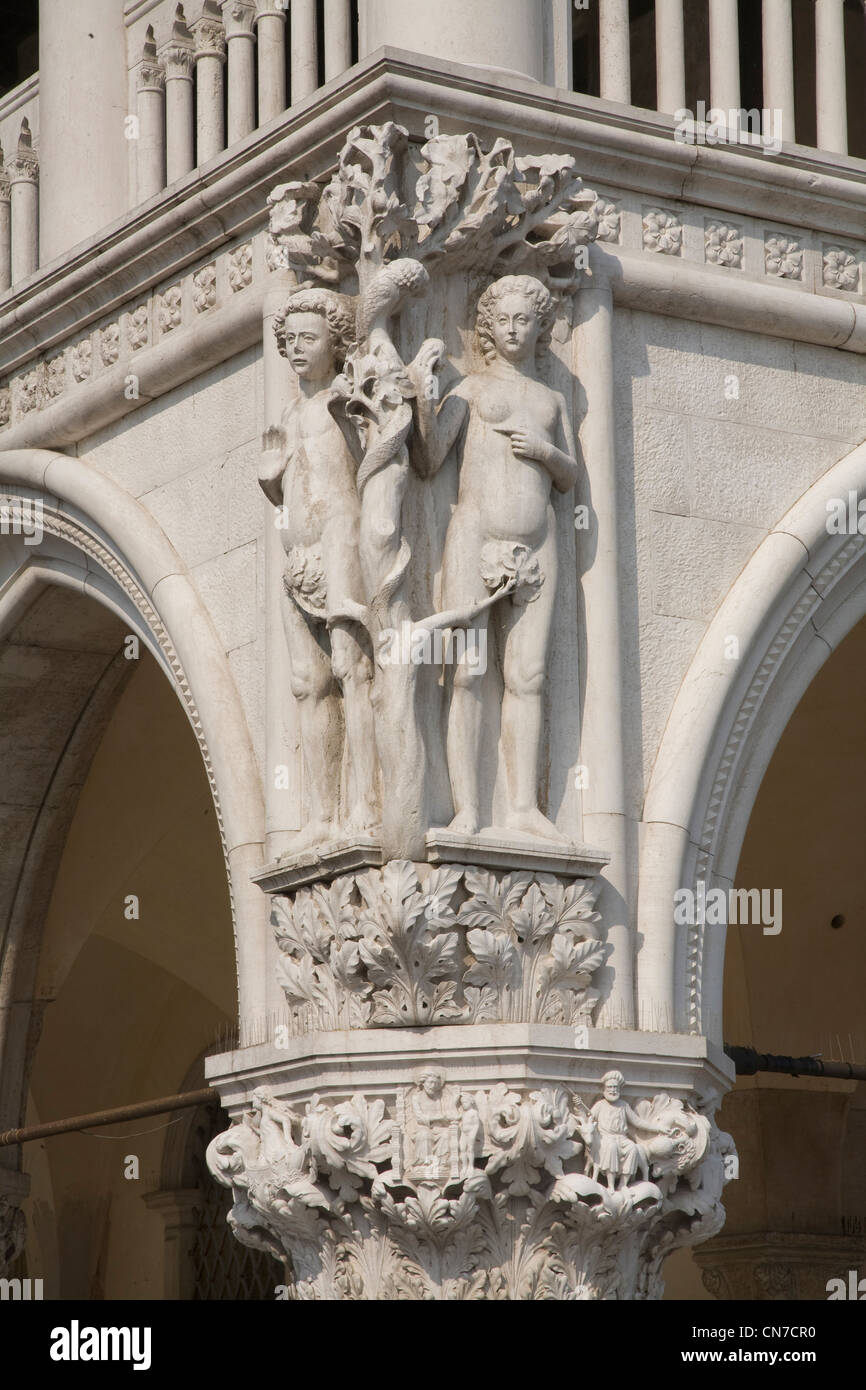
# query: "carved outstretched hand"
x,y
272,462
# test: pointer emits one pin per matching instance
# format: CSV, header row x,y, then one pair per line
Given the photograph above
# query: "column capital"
x,y
150,75
5,185
239,17
271,9
24,167
599,1188
209,33
178,52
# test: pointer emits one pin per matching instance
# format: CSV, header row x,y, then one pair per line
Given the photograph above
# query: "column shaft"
x,y
5,234
211,123
670,56
830,76
614,50
305,50
238,19
724,56
338,37
778,44
271,29
151,138
25,227
605,803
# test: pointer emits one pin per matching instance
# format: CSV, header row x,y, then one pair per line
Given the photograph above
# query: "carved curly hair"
x,y
334,308
542,301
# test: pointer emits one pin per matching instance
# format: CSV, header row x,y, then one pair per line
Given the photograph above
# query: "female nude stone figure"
x,y
515,443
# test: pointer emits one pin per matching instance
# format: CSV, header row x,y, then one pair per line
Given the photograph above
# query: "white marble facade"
x,y
455,353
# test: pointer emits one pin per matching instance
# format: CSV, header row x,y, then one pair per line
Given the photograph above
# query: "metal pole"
x,y
747,1062
182,1101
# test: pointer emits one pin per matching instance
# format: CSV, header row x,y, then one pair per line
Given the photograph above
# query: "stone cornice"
x,y
22,95
614,146
683,1064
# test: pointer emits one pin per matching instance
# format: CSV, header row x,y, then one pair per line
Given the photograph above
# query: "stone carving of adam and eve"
x,y
514,443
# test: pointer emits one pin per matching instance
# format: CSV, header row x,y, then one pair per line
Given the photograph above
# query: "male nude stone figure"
x,y
515,443
309,472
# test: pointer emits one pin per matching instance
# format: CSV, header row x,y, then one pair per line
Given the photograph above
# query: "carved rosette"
x,y
240,265
385,949
445,1193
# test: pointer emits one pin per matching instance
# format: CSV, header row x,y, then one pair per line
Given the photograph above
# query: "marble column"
x,y
5,230
305,49
24,185
178,60
724,56
830,82
83,105
338,37
778,44
210,57
670,56
614,51
505,34
271,34
150,83
238,18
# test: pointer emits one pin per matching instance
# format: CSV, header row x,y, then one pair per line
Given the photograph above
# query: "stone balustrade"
x,y
225,71
205,77
833,40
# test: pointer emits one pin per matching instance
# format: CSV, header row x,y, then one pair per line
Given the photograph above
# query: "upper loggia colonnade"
x,y
164,267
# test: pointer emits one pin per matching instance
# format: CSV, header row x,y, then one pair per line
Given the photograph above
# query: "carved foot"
x,y
363,817
534,823
315,832
466,822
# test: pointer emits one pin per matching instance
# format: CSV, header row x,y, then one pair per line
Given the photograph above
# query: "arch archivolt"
x,y
796,599
102,542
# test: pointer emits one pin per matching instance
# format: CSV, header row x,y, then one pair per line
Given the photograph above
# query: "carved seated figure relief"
x,y
515,445
308,471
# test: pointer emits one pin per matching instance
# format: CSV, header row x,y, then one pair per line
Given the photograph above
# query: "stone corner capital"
x,y
239,18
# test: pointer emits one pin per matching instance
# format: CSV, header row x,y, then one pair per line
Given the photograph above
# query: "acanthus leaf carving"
x,y
383,949
467,1195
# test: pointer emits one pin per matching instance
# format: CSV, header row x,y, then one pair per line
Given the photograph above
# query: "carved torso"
x,y
510,496
319,477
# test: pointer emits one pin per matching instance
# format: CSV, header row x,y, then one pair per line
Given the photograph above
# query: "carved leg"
x,y
353,669
526,636
320,720
464,740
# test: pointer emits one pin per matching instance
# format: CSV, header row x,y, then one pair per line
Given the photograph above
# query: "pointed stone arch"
x,y
796,599
102,543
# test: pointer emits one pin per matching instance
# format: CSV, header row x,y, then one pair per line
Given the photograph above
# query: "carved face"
x,y
309,347
516,327
611,1090
432,1084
